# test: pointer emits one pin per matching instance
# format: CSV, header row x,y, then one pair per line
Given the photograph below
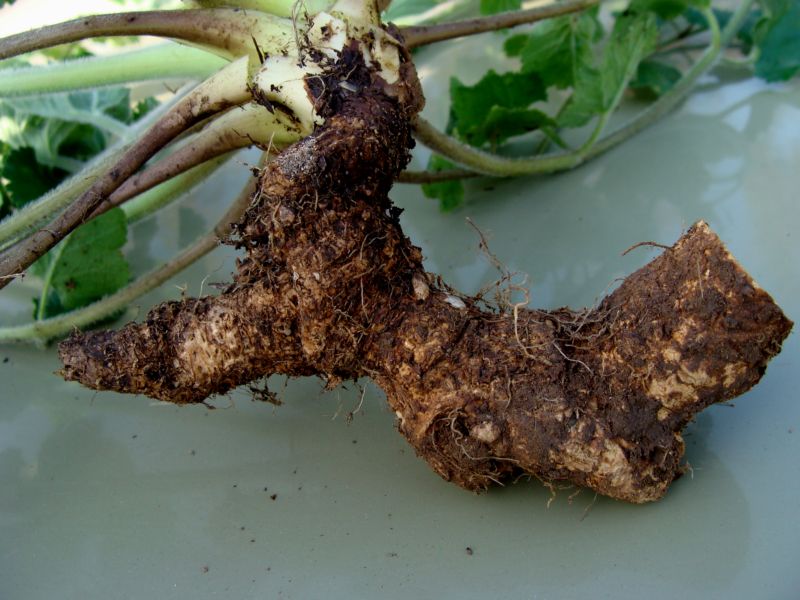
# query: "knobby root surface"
x,y
330,286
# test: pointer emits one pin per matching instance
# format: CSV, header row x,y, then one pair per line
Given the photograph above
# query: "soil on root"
x,y
329,285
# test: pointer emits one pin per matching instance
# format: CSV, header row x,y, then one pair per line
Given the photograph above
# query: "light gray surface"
x,y
105,496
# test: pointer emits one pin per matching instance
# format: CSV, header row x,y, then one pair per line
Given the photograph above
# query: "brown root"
x,y
331,286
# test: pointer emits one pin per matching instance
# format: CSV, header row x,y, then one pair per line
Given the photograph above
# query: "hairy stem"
x,y
434,176
236,129
148,201
41,307
164,61
48,329
281,8
226,31
487,163
225,89
422,35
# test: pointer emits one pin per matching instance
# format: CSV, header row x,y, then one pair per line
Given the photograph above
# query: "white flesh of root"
x,y
282,79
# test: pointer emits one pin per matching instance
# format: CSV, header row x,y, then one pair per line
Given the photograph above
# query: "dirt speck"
x,y
469,551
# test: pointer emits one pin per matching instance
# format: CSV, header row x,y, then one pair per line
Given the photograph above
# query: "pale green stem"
x,y
248,125
599,127
746,62
48,329
226,88
487,163
280,8
434,176
163,194
162,61
20,223
65,163
449,9
48,279
101,121
498,166
139,207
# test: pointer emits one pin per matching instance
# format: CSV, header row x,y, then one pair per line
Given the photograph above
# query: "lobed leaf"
x,y
557,49
503,123
490,7
778,39
60,128
471,116
654,78
85,266
24,178
666,9
108,109
597,90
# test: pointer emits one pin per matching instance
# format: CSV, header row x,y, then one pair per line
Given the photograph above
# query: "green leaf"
x,y
107,109
490,7
665,9
503,123
87,265
449,193
23,178
513,46
778,40
404,8
632,39
471,106
142,107
597,91
57,144
587,100
654,78
61,127
558,48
